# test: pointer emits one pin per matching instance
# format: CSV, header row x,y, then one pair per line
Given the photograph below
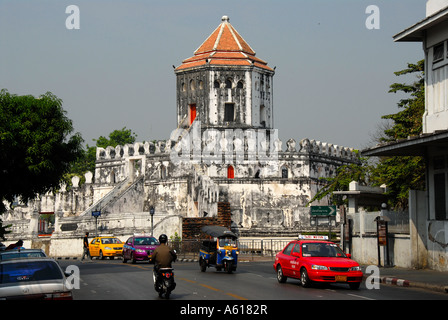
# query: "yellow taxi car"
x,y
102,247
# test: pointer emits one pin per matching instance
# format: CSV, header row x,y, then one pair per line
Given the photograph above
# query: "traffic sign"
x,y
96,213
324,211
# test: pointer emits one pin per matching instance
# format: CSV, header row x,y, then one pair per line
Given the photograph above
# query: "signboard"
x,y
382,233
324,211
69,226
96,213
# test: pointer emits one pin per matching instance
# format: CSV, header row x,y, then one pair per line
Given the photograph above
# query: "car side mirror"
x,y
348,255
296,254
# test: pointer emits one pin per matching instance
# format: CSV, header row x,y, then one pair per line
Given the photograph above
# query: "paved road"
x,y
114,280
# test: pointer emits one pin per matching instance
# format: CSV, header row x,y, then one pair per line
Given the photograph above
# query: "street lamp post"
x,y
151,212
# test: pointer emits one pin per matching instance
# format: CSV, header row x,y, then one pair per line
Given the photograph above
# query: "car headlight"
x,y
357,268
228,253
140,251
107,248
317,267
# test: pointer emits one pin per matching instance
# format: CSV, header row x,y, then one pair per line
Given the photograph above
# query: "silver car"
x,y
33,278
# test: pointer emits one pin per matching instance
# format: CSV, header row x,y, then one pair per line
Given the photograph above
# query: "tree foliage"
x,y
36,146
404,173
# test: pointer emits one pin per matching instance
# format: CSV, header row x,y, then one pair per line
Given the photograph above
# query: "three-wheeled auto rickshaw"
x,y
220,250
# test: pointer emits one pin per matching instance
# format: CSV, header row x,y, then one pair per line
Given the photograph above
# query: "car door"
x,y
127,249
93,247
295,261
287,258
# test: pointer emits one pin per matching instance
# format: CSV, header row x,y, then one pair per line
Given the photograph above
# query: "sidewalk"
x,y
423,278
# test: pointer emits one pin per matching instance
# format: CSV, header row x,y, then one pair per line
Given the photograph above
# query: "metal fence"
x,y
189,249
364,222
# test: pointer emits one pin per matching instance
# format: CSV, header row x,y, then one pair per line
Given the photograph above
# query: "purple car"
x,y
139,248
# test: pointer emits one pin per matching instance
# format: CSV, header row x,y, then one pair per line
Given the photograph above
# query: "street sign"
x,y
96,213
324,211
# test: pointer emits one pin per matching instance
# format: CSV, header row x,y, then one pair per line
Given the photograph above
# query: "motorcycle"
x,y
164,281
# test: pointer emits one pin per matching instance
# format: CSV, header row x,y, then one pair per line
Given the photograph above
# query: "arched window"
x,y
230,172
229,83
284,172
240,84
216,84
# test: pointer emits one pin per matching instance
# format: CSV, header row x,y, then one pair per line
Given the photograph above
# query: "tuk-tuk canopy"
x,y
218,231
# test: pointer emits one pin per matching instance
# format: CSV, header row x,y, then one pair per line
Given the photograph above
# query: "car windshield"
x,y
13,255
145,241
321,249
110,240
227,242
24,271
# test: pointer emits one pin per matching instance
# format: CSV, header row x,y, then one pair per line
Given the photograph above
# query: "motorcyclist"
x,y
162,257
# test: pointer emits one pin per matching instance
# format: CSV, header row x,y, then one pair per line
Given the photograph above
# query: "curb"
x,y
415,284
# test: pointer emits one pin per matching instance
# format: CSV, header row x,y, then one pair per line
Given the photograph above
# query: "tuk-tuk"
x,y
220,250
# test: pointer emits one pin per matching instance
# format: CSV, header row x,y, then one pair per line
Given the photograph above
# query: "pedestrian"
x,y
17,245
86,247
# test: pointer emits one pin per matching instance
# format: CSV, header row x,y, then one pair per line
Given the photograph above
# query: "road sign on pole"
x,y
325,211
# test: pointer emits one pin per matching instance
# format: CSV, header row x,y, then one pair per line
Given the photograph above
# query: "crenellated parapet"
x,y
248,143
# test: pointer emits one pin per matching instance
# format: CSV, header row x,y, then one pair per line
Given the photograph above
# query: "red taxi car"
x,y
311,260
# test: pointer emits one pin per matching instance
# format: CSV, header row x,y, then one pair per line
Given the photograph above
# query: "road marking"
x,y
214,289
357,296
209,287
188,280
236,296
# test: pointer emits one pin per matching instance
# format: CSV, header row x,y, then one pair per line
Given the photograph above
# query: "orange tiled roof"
x,y
224,46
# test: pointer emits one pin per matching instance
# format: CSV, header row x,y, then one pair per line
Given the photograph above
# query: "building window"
x,y
438,52
216,84
440,187
263,116
230,172
229,112
192,85
284,172
229,83
192,111
240,84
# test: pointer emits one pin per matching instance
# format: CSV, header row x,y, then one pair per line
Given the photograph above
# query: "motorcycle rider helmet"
x,y
163,238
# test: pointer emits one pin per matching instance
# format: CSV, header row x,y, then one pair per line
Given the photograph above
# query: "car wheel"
x,y
124,259
304,279
280,277
133,259
203,265
101,255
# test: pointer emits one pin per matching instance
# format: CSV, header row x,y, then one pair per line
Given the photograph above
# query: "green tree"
x,y
36,146
117,137
404,173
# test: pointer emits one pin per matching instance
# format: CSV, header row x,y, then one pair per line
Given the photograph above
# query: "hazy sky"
x,y
332,73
